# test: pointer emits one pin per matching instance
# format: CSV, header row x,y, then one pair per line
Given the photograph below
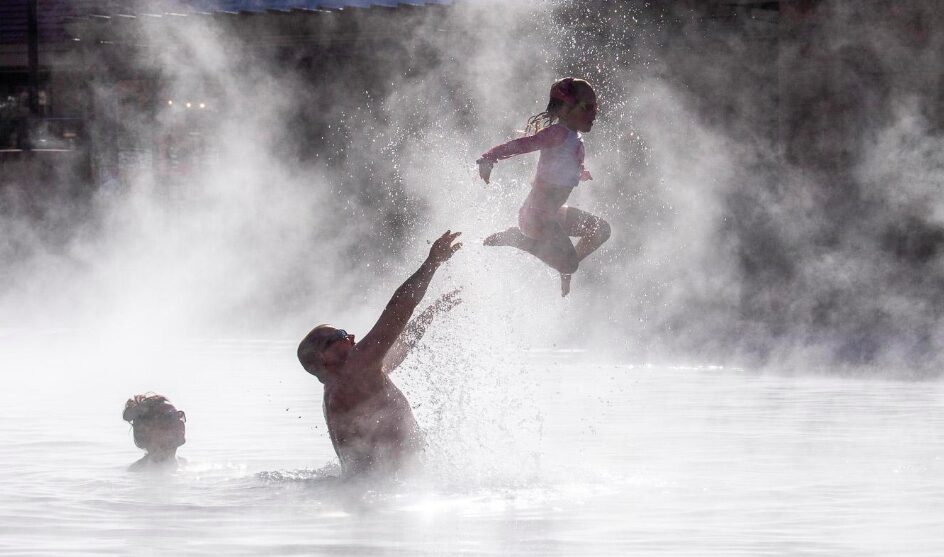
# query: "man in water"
x,y
369,420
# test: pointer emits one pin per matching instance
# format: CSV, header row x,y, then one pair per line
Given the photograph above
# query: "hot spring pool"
x,y
549,455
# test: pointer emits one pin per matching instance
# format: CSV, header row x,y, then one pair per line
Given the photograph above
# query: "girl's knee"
x,y
603,230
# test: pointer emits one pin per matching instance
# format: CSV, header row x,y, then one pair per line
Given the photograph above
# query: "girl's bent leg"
x,y
592,230
555,248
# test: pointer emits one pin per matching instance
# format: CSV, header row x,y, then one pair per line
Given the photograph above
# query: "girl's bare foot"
x,y
565,285
511,237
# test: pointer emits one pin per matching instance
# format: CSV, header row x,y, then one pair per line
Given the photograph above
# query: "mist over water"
x,y
734,241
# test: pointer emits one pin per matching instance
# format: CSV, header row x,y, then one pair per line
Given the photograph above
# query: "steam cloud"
x,y
761,212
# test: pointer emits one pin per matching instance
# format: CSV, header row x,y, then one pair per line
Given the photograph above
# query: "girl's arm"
x,y
548,137
584,173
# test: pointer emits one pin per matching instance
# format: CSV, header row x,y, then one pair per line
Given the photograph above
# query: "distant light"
x,y
203,105
171,103
188,105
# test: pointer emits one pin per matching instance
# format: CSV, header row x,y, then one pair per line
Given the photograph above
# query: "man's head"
x,y
323,349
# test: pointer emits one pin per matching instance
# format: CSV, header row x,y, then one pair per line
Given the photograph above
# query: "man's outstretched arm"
x,y
371,351
416,328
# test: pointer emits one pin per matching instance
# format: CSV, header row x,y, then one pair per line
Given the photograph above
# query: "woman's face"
x,y
164,432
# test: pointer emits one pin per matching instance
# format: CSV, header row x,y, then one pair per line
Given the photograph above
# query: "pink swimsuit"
x,y
560,166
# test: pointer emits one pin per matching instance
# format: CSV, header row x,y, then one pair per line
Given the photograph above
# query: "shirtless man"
x,y
369,420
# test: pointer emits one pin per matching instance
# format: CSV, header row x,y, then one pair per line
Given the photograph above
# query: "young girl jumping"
x,y
545,224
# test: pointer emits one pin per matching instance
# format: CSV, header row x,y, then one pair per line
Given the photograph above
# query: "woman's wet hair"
x,y
564,92
149,408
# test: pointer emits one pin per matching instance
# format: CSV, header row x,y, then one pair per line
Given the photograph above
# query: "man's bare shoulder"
x,y
363,360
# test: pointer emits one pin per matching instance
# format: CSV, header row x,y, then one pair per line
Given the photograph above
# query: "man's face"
x,y
338,344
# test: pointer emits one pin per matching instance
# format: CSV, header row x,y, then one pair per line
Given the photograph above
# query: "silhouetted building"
x,y
98,89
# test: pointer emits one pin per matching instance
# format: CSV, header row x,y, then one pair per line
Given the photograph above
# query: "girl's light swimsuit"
x,y
560,166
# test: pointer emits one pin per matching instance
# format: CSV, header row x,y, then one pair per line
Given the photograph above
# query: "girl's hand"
x,y
443,248
485,169
585,175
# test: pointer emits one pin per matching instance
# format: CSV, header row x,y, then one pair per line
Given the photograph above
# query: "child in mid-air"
x,y
545,224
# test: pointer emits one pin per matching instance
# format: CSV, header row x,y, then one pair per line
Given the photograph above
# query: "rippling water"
x,y
550,455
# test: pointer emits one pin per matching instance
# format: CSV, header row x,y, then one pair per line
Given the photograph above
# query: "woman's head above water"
x,y
158,426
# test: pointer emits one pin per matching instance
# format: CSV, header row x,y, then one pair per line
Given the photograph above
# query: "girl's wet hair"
x,y
563,93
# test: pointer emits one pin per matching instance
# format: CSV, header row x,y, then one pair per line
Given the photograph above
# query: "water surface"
x,y
548,455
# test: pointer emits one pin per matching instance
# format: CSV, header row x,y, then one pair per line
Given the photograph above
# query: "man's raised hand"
x,y
443,248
